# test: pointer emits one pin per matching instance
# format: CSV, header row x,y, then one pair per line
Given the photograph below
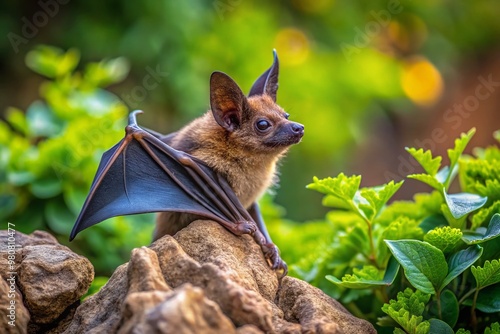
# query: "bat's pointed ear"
x,y
267,83
227,101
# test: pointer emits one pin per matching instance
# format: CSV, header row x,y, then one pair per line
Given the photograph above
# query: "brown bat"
x,y
216,167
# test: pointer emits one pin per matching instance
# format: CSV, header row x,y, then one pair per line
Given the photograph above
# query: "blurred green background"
x,y
365,78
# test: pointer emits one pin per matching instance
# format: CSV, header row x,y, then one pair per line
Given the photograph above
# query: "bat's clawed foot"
x,y
245,227
272,255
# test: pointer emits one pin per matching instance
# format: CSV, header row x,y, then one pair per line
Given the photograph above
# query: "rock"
x,y
315,311
206,280
14,316
186,310
50,277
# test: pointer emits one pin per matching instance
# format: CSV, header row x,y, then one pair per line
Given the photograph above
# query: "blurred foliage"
x,y
344,64
447,245
49,155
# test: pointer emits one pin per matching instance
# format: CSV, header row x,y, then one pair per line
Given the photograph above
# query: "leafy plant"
x,y
49,154
445,244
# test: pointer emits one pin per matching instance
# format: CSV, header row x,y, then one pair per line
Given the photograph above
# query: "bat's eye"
x,y
263,125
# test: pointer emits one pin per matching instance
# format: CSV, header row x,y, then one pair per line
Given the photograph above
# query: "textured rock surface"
x,y
186,310
50,278
206,280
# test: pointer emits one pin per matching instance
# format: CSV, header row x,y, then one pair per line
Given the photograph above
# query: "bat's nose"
x,y
297,129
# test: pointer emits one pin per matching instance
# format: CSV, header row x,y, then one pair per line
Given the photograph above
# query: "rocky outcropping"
x,y
202,280
42,282
206,280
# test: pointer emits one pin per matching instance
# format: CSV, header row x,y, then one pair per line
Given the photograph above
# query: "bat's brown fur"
x,y
246,157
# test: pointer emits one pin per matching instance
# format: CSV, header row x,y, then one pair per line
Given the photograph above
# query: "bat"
x,y
241,137
142,174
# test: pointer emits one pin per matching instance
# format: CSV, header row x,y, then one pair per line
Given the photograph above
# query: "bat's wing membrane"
x,y
142,174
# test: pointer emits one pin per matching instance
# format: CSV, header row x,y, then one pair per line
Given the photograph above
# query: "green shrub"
x,y
49,155
431,264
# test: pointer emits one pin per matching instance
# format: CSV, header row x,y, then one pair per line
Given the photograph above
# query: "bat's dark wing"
x,y
143,174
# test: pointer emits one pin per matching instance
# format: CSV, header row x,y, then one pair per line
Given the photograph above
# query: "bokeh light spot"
x,y
292,45
421,81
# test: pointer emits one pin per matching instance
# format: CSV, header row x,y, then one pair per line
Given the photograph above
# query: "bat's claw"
x,y
245,227
272,255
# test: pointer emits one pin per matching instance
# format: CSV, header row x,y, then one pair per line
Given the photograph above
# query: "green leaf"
x,y
463,203
74,198
462,331
452,221
445,238
488,299
460,261
59,218
492,232
431,222
488,274
52,62
440,327
335,202
41,121
431,165
442,175
400,228
8,203
455,153
107,72
377,197
424,265
407,310
386,321
494,329
427,179
46,187
481,177
449,308
485,214
342,186
363,208
17,120
368,277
